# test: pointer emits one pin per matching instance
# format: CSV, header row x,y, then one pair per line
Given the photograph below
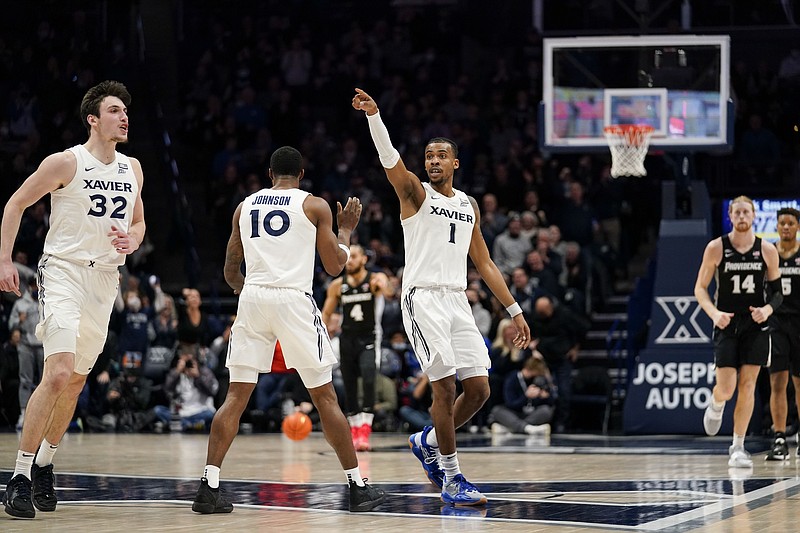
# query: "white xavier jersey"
x,y
437,239
98,197
278,239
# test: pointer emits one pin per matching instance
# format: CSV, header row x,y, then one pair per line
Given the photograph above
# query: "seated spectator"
x,y
506,359
558,333
493,221
417,401
529,400
165,326
192,388
193,328
483,318
543,279
546,241
129,402
510,247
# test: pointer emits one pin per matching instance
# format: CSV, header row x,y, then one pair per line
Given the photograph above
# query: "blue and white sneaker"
x,y
459,491
428,456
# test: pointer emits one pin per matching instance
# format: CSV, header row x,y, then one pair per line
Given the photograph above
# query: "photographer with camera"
x,y
530,398
129,401
192,387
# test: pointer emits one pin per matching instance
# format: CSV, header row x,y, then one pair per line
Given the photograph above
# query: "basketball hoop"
x,y
628,144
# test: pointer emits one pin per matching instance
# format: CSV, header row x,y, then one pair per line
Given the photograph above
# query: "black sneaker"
x,y
365,498
17,499
209,501
44,492
779,451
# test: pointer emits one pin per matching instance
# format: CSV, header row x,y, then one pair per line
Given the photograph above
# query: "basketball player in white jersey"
x,y
441,226
276,233
97,219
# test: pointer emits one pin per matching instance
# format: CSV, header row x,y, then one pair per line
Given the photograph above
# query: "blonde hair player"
x,y
441,227
744,266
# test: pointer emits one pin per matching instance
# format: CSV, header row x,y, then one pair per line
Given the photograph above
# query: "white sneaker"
x,y
541,429
712,419
499,429
739,458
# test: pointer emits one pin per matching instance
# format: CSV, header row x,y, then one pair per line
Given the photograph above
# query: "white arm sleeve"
x,y
387,153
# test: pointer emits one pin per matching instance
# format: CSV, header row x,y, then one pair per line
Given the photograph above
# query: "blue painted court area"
x,y
652,505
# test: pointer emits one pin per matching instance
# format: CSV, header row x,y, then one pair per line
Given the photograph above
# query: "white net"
x,y
628,146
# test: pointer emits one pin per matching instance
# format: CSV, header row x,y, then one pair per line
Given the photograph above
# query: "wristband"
x,y
514,309
347,251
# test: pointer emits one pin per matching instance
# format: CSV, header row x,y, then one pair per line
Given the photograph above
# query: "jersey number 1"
x,y
453,232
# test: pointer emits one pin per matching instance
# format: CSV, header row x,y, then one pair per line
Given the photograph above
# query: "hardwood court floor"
x,y
576,483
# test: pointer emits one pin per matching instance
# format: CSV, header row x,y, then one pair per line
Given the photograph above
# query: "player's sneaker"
x,y
779,451
17,499
355,434
499,429
739,458
459,491
44,491
428,456
712,419
209,501
365,498
364,432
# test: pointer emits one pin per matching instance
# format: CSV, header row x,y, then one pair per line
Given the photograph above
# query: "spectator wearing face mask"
x,y
135,316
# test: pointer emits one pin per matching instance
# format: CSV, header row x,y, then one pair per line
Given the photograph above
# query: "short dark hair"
x,y
445,140
789,211
90,105
286,161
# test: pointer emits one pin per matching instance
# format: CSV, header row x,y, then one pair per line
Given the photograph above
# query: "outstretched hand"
x,y
364,102
348,217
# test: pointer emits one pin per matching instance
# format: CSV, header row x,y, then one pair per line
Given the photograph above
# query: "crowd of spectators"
x,y
255,77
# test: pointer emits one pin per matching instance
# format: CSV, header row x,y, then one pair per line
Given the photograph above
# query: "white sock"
x,y
450,466
367,418
354,476
354,420
24,462
45,454
211,473
717,406
738,441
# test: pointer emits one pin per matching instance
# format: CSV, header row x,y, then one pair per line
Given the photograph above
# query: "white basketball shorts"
x,y
75,304
266,315
442,330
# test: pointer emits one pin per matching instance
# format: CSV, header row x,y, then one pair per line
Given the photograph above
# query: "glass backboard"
x,y
678,84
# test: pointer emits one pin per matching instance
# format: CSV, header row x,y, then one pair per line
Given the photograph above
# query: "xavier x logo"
x,y
682,327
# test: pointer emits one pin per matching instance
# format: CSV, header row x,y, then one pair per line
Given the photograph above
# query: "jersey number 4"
x,y
747,285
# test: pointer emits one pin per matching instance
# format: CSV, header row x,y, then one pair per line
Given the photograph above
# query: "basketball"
x,y
296,426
